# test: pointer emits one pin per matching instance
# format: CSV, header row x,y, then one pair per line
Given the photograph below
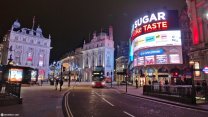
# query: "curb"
x,y
163,101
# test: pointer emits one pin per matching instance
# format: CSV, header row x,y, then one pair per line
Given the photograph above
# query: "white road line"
x,y
97,94
107,101
171,104
104,99
128,114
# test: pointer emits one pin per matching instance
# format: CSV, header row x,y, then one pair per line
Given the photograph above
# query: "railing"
x,y
182,93
13,89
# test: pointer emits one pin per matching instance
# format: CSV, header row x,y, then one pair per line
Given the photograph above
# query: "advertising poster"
x,y
15,75
135,62
140,60
161,59
149,60
174,58
33,75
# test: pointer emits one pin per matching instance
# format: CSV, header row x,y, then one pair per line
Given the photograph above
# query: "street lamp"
x,y
193,93
111,78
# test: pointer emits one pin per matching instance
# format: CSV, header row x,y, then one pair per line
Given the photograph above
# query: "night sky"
x,y
70,21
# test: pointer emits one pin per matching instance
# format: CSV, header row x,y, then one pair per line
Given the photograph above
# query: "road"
x,y
84,101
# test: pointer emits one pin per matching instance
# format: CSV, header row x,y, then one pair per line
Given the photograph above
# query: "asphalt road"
x,y
84,101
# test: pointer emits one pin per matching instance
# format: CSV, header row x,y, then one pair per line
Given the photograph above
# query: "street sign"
x,y
205,70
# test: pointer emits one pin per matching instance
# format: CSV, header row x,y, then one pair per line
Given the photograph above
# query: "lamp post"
x,y
193,93
111,78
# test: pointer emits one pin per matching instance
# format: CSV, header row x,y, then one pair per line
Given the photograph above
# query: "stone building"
x,y
198,14
27,47
72,62
99,52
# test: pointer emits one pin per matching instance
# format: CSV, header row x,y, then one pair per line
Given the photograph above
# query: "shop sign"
x,y
205,70
151,52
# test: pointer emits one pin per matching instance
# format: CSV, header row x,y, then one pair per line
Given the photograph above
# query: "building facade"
x,y
27,47
122,51
99,52
156,48
198,14
72,63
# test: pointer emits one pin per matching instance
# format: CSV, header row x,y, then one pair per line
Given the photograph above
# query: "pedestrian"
x,y
204,87
136,81
61,83
57,81
149,82
198,87
41,82
166,82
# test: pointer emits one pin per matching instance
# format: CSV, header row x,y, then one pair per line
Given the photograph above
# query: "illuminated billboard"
x,y
156,39
34,75
158,21
15,75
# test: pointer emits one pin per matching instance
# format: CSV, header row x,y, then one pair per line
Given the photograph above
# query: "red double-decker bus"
x,y
98,79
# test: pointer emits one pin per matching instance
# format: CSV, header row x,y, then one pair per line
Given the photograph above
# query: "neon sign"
x,y
159,21
146,19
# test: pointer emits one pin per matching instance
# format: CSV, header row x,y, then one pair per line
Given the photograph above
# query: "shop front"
x,y
176,76
163,76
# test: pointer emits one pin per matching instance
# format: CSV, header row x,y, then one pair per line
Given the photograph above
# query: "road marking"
x,y
189,108
107,101
68,110
128,114
104,99
97,94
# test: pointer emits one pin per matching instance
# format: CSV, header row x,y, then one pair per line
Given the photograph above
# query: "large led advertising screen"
x,y
156,39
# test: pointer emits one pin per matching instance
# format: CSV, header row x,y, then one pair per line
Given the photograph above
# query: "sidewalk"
x,y
38,101
138,92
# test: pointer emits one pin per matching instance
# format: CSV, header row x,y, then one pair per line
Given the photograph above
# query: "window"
x,y
29,58
41,58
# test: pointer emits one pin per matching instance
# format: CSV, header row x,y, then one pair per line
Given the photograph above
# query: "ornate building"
x,y
198,14
27,47
99,52
72,62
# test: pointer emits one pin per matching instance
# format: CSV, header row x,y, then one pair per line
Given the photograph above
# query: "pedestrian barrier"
x,y
10,94
180,93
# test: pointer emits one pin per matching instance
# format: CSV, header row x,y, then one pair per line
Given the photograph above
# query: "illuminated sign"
x,y
205,70
151,52
15,75
161,59
155,22
155,39
174,58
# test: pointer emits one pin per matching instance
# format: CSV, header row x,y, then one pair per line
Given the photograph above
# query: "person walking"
x,y
136,81
61,83
56,85
69,79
